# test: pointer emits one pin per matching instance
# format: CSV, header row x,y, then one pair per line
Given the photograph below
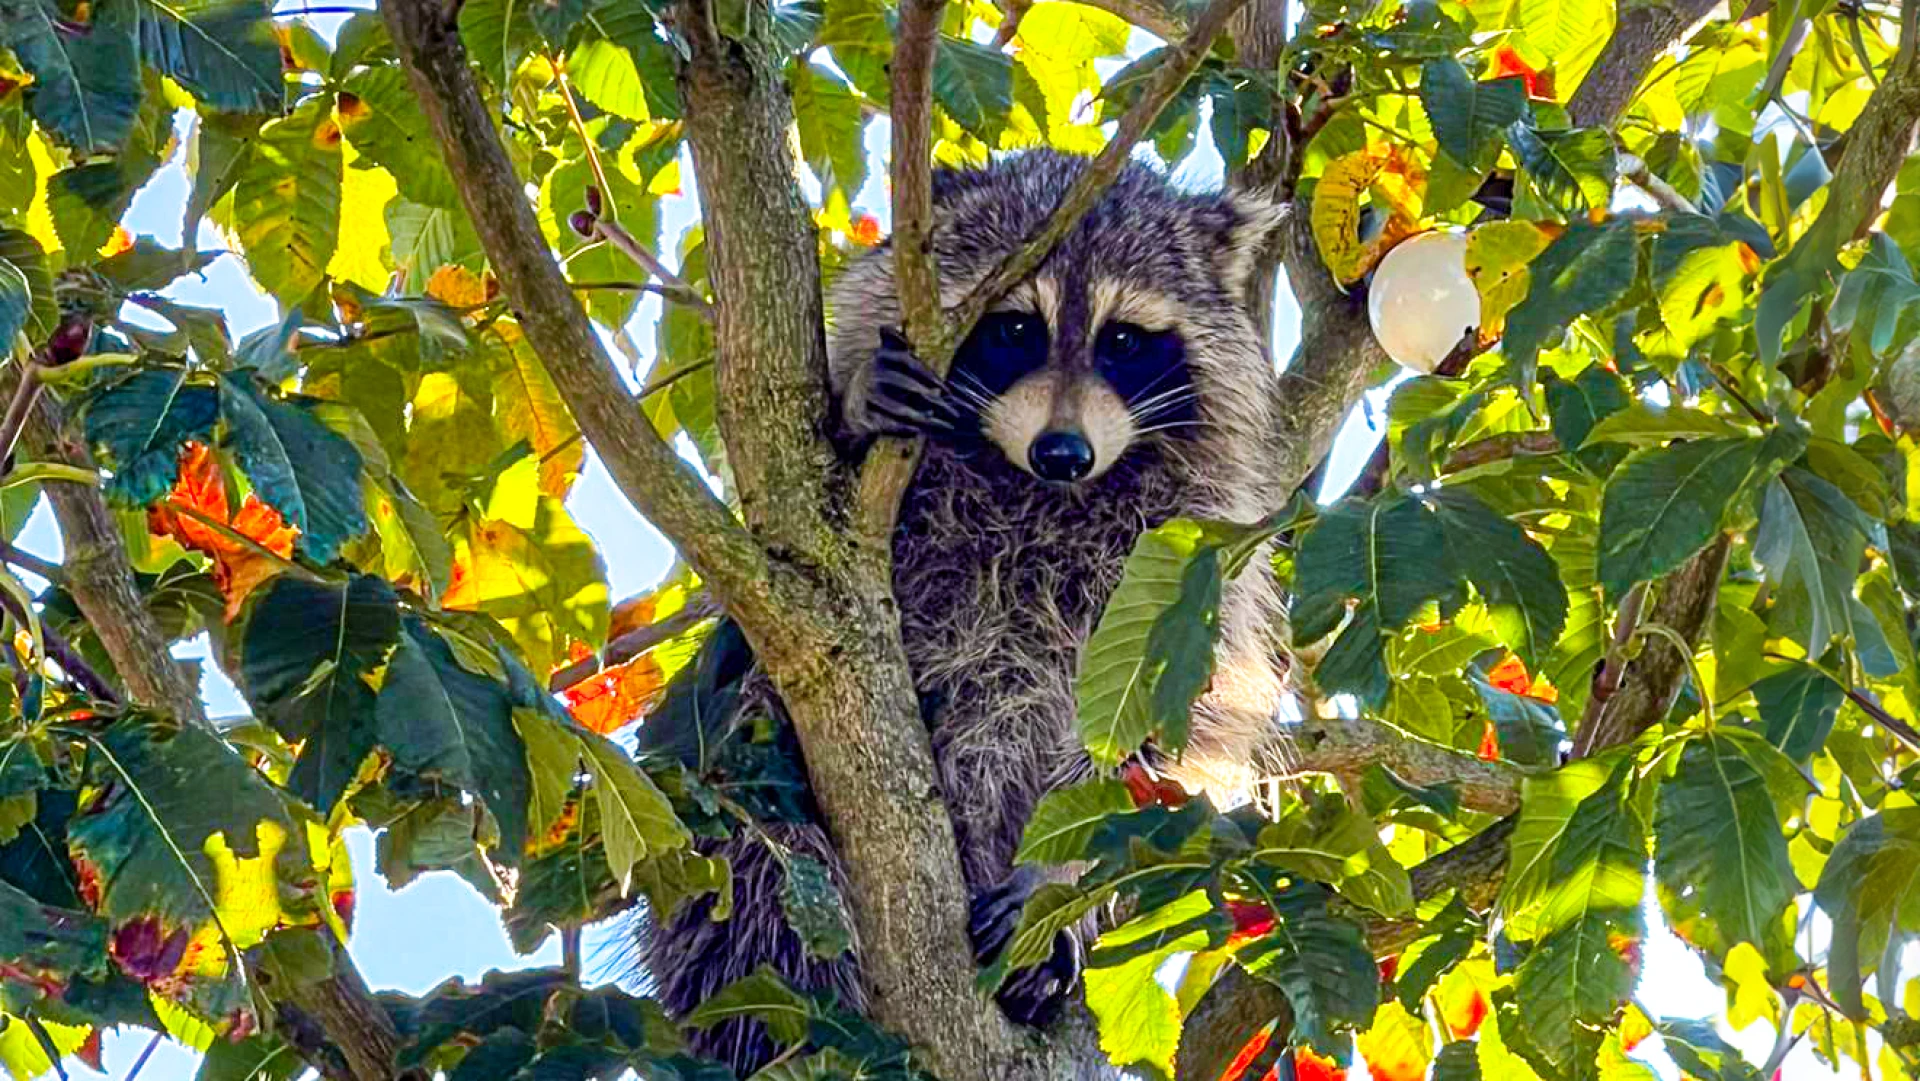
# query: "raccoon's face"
x,y
1064,386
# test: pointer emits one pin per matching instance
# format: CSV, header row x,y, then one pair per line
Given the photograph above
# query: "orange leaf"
x,y
120,241
1489,743
1507,61
1511,675
1308,1066
866,230
237,568
457,287
1247,1054
614,697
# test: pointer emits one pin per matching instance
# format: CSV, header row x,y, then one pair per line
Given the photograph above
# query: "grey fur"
x,y
1001,576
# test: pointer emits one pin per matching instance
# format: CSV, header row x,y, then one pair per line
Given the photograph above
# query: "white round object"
x,y
1421,302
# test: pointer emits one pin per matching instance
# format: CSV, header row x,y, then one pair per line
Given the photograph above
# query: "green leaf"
x,y
762,996
149,265
1152,652
1578,406
286,201
47,942
1697,1049
636,821
1719,853
23,252
1875,295
1529,730
140,423
498,34
1664,504
1067,818
1584,271
299,466
381,116
1798,705
1458,1061
1573,169
86,83
16,303
224,54
307,655
1580,846
1810,542
424,239
1468,116
1517,578
256,1058
1139,1021
1571,983
813,908
832,128
1454,932
1870,888
1379,553
974,85
444,723
1321,963
1333,844
1640,424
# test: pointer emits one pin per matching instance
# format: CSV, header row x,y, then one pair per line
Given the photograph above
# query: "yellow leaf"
x,y
544,583
457,287
1395,183
527,406
1398,1047
1750,997
362,254
1497,257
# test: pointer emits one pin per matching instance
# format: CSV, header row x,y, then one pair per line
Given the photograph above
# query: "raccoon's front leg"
x,y
1031,996
895,394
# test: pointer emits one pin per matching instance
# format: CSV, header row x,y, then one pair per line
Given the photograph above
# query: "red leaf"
x,y
1507,61
1308,1066
237,567
616,696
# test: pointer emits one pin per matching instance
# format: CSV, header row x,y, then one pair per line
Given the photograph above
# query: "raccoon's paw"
x,y
902,396
1030,996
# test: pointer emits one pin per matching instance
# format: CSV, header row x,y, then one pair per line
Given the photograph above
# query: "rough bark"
x,y
1643,32
100,577
1347,747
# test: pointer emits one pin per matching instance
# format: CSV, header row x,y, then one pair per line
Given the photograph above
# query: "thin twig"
x,y
29,562
62,653
916,277
25,394
145,1054
699,608
674,288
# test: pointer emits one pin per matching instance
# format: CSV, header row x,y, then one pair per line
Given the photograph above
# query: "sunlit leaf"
x,y
287,201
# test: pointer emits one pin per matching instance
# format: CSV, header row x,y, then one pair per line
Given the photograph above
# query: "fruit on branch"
x,y
1421,302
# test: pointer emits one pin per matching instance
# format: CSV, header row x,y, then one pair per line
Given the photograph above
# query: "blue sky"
x,y
438,927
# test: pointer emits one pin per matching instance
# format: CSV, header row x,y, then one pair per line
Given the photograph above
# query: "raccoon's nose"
x,y
1061,456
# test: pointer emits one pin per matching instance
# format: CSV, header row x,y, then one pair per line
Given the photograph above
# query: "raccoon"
x,y
1121,385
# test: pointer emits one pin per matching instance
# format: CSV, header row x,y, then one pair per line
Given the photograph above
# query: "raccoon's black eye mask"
x,y
1146,368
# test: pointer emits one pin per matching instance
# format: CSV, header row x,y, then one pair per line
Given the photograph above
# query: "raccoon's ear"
x,y
1252,220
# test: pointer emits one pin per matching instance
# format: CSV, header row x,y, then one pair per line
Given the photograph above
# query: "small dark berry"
x,y
70,340
594,205
583,222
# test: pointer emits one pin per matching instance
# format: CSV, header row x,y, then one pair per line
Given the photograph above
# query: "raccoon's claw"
x,y
904,397
1034,995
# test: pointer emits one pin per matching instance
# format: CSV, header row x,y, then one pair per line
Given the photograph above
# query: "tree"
x,y
1627,590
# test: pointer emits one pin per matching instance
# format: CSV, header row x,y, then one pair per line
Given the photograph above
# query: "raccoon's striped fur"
x,y
1129,370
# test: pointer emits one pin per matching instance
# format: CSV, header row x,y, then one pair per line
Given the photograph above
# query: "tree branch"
x,y
654,479
1347,747
1877,144
698,609
916,277
1643,32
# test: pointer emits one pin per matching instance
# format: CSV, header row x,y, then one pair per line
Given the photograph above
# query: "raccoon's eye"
x,y
1017,329
1121,341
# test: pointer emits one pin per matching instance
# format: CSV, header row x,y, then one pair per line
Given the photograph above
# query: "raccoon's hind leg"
x,y
691,957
